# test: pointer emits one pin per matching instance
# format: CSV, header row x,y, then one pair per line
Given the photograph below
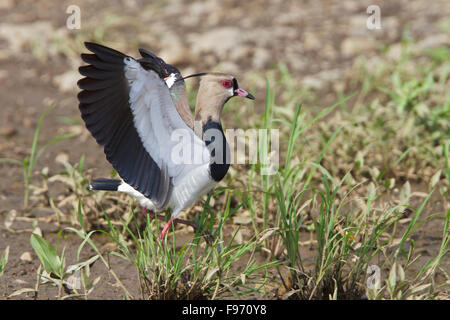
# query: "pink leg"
x,y
166,227
152,215
194,225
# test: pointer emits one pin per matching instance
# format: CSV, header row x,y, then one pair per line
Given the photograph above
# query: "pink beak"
x,y
242,93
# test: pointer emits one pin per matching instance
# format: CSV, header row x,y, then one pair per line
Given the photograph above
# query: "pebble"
x,y
7,131
26,256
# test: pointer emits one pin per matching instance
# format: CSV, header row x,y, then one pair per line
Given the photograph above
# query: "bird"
x,y
135,107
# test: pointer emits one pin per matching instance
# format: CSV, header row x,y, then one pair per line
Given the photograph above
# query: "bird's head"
x,y
221,86
214,91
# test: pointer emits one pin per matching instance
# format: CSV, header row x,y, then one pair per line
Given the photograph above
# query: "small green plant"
x,y
4,260
423,285
405,95
76,182
86,237
70,278
48,256
29,161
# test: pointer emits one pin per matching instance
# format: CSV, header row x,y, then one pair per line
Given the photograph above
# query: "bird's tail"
x,y
105,184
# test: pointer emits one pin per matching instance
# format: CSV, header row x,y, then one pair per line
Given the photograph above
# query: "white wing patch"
x,y
170,80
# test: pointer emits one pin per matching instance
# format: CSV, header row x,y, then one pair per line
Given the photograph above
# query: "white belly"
x,y
187,190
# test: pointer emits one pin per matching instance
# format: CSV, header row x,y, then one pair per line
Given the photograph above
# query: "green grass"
x,y
197,270
28,163
74,280
4,260
358,179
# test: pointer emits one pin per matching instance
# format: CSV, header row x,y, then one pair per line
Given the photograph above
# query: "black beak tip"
x,y
250,96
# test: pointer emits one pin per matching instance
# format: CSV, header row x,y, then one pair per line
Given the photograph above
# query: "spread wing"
x,y
177,89
128,108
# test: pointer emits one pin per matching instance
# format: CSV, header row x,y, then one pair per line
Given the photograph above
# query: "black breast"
x,y
218,148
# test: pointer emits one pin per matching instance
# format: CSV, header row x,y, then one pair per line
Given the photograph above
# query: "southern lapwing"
x,y
135,107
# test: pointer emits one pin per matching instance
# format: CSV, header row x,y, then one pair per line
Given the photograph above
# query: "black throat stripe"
x,y
219,165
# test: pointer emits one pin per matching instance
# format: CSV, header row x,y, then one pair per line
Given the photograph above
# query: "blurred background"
x,y
314,52
319,43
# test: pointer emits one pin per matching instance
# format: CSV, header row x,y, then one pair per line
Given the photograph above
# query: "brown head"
x,y
214,91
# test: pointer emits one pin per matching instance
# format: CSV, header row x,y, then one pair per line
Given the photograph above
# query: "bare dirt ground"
x,y
317,40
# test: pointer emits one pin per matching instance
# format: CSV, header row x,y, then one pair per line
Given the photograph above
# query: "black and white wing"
x,y
169,74
128,108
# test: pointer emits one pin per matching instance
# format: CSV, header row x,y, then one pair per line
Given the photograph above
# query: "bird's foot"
x,y
206,234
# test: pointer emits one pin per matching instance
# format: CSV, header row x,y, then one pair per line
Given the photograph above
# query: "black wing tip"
x,y
151,61
147,54
88,43
105,184
86,57
92,46
86,69
100,50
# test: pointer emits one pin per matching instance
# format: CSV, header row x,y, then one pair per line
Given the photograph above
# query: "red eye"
x,y
226,84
